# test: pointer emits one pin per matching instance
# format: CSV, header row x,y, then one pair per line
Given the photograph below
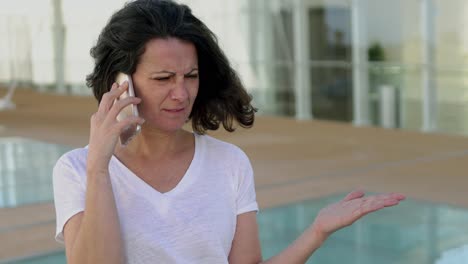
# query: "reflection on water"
x,y
454,256
26,171
411,233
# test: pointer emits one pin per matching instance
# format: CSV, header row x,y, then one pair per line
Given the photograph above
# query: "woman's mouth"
x,y
174,110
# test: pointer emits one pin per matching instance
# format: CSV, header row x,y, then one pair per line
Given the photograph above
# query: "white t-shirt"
x,y
193,223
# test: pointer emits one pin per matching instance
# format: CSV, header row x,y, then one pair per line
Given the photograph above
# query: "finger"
x,y
363,206
128,122
395,196
398,196
94,119
120,105
378,202
123,86
109,98
391,202
371,205
354,195
104,104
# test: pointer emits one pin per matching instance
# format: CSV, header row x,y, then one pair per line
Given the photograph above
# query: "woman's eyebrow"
x,y
168,72
192,70
173,73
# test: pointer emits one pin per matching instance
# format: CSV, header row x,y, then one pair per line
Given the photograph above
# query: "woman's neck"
x,y
156,145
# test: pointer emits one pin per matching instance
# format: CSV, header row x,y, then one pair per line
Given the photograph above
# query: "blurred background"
x,y
399,63
351,94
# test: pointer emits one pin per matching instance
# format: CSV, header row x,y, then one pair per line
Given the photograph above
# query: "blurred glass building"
x,y
390,63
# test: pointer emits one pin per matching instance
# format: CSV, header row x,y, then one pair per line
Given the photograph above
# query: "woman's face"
x,y
166,79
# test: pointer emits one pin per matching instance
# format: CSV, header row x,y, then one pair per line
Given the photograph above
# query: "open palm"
x,y
351,208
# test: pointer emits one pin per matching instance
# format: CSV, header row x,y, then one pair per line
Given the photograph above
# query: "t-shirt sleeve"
x,y
69,194
246,197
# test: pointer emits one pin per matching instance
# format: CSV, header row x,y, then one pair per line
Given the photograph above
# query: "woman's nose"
x,y
179,91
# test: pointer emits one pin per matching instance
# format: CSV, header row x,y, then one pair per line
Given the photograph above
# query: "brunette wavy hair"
x,y
221,97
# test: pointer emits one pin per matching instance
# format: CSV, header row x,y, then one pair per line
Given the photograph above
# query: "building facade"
x,y
396,64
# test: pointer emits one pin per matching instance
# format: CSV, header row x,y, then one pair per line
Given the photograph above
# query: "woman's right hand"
x,y
105,129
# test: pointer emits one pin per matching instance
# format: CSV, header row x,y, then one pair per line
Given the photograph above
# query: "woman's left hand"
x,y
350,209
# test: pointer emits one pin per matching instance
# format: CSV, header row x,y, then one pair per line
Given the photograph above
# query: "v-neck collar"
x,y
143,187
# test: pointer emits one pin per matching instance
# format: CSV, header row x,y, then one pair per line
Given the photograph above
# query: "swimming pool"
x,y
26,170
413,232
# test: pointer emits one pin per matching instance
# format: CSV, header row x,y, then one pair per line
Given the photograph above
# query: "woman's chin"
x,y
171,126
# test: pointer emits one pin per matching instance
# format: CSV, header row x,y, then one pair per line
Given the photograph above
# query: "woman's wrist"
x,y
317,235
93,170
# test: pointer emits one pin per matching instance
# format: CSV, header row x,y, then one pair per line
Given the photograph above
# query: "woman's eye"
x,y
161,78
192,76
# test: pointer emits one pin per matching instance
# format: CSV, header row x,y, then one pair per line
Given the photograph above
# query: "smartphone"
x,y
131,110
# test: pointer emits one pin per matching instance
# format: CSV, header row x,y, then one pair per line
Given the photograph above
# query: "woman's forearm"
x,y
301,249
332,218
99,238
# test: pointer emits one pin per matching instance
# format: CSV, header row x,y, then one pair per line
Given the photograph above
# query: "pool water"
x,y
54,258
413,232
26,171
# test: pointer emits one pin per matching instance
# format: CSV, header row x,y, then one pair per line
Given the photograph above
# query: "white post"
x,y
429,88
6,102
360,64
260,38
388,102
302,87
59,46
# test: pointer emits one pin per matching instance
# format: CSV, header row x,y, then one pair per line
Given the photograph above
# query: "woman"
x,y
171,196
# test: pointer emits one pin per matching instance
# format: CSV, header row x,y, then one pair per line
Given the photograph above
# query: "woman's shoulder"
x,y
70,168
221,148
73,158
